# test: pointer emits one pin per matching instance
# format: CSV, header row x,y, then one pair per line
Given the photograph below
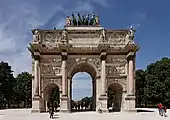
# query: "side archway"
x,y
114,93
52,95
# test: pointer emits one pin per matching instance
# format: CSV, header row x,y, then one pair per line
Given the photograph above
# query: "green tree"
x,y
7,82
111,96
56,95
158,81
87,100
23,89
153,84
140,87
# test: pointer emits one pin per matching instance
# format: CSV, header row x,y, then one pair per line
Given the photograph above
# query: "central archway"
x,y
91,70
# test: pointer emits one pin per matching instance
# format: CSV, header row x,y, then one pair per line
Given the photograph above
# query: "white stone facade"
x,y
107,55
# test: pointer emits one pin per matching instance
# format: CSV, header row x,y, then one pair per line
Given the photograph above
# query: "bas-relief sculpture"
x,y
83,41
50,65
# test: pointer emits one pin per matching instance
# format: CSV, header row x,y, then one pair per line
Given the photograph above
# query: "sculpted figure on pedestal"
x,y
92,20
80,22
74,21
131,33
103,36
87,19
68,21
64,36
83,20
97,21
36,36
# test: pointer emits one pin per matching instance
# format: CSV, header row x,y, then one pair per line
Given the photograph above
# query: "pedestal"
x,y
130,103
103,101
36,104
64,104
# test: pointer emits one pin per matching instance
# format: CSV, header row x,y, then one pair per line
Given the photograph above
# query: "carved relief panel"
x,y
50,65
82,39
115,65
116,38
51,37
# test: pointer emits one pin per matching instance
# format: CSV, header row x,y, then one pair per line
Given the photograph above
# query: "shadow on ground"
x,y
74,111
139,110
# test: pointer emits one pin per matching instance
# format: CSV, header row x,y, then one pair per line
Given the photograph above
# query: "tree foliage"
x,y
56,95
14,91
87,100
7,82
153,84
23,89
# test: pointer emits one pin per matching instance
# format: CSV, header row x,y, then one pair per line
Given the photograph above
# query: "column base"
x,y
64,104
103,101
130,103
36,104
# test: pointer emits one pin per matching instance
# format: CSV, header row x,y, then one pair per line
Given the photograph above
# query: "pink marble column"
x,y
103,72
64,57
131,76
36,77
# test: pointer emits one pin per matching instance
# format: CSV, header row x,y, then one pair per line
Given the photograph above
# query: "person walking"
x,y
51,110
160,106
164,110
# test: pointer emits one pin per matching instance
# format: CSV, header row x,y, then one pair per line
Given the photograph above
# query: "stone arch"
x,y
91,70
53,84
122,82
80,63
116,91
48,91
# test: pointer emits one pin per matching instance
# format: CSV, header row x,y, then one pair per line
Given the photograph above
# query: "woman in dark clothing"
x,y
51,110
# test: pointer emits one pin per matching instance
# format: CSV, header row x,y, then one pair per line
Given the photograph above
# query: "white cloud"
x,y
19,17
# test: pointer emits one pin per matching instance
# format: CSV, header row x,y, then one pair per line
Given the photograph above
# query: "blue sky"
x,y
151,19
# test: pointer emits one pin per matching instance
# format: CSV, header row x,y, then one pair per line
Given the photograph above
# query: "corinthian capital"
x,y
130,56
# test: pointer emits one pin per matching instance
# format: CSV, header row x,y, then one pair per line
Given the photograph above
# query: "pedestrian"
x,y
164,110
160,106
51,110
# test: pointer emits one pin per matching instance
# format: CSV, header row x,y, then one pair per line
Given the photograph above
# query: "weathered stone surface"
x,y
83,47
51,59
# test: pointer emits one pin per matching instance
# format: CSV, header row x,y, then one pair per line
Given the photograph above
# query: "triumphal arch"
x,y
83,45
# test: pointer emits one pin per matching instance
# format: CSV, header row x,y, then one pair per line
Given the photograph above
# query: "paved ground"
x,y
25,114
